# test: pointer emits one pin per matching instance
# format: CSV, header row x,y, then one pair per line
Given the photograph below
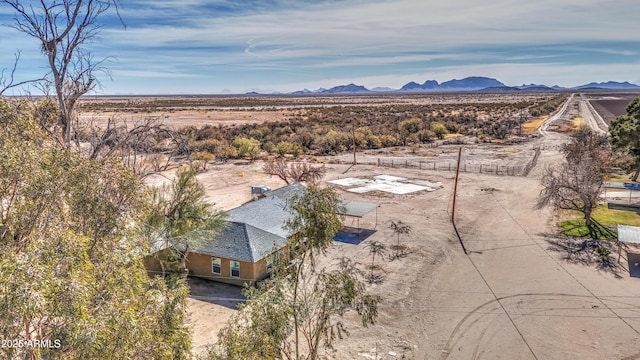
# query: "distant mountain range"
x,y
340,89
473,83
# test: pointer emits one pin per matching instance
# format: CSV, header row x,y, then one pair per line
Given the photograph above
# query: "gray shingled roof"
x,y
268,214
287,192
242,242
255,229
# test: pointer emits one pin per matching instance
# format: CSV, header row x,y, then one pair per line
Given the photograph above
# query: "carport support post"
x,y
376,225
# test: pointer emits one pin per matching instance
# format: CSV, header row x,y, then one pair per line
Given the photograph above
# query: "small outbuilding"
x,y
630,235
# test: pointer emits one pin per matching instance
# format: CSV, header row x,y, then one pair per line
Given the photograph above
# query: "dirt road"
x,y
544,128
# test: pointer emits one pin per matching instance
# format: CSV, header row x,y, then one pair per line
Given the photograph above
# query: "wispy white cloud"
x,y
272,42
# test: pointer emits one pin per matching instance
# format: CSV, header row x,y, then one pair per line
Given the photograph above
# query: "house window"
x,y
216,266
272,260
235,269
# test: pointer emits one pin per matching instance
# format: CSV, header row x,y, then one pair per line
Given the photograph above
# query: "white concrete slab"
x,y
434,185
360,190
350,181
389,178
387,183
397,188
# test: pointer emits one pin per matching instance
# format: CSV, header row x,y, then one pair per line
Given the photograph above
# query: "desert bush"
x,y
409,127
209,145
201,158
226,152
158,162
438,129
247,147
333,141
388,140
425,136
285,147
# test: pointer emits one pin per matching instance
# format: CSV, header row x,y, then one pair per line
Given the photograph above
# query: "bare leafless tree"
x,y
137,144
8,79
293,171
63,28
577,182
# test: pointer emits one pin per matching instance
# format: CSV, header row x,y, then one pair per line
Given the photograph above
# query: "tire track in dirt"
x,y
480,333
466,325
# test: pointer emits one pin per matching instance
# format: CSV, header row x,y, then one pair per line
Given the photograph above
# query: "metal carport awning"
x,y
629,234
358,209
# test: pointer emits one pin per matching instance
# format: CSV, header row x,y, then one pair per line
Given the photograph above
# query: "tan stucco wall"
x,y
152,265
200,265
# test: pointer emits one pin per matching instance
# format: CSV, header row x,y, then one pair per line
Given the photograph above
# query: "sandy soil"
x,y
517,294
180,111
210,304
189,117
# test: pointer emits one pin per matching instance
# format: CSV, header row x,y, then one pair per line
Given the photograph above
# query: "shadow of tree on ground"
x,y
399,252
589,252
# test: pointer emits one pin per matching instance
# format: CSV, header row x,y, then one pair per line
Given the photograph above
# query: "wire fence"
x,y
532,163
496,169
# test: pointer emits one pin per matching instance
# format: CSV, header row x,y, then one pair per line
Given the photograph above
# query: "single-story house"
x,y
252,240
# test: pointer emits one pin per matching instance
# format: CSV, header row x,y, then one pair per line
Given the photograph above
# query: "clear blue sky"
x,y
216,46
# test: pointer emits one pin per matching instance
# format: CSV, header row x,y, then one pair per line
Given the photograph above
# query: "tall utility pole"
x,y
455,187
453,208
